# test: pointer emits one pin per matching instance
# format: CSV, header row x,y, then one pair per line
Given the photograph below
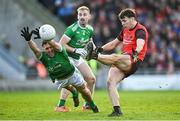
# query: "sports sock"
x,y
117,109
87,104
61,102
74,93
92,104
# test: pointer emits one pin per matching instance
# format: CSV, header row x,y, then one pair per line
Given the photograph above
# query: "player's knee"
x,y
90,80
82,87
110,83
85,91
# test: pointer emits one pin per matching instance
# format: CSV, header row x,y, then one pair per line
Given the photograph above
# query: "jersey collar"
x,y
133,27
81,26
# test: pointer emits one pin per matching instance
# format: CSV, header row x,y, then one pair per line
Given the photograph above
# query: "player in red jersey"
x,y
133,37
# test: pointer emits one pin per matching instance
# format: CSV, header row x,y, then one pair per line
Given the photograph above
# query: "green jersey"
x,y
79,37
59,66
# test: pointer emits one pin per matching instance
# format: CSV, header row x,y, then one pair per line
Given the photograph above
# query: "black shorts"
x,y
133,69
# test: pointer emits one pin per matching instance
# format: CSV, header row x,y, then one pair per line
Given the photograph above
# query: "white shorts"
x,y
76,62
75,80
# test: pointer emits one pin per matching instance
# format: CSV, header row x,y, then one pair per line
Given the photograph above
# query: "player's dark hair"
x,y
128,12
44,42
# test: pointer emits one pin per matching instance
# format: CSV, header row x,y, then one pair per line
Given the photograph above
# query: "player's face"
x,y
126,22
83,17
48,49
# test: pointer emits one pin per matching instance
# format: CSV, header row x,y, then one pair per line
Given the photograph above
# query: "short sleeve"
x,y
69,32
140,34
42,57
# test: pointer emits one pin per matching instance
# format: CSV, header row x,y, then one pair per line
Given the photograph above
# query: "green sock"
x,y
92,104
87,104
61,102
74,93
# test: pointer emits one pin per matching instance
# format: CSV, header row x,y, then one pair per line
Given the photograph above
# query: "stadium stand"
x,y
161,17
162,21
13,50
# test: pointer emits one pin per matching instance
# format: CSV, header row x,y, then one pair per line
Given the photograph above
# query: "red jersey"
x,y
129,37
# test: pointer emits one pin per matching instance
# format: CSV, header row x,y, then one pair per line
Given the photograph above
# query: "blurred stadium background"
x,y
19,70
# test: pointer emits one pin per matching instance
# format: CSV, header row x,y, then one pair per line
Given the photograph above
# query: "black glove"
x,y
135,55
36,32
26,34
99,50
94,54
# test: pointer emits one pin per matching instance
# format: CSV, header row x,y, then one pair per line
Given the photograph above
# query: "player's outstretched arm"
x,y
34,48
27,36
53,43
111,45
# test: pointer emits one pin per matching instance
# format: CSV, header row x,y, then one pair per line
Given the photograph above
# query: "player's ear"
x,y
132,19
77,16
90,16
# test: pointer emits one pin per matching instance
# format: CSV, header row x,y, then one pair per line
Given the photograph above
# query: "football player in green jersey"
x,y
59,67
74,39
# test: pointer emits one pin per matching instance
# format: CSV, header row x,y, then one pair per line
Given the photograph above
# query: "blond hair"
x,y
83,8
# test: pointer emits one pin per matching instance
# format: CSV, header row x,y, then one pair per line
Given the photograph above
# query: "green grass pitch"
x,y
136,105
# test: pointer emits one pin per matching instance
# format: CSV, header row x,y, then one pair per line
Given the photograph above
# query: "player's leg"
x,y
74,94
89,77
86,94
63,96
78,81
114,77
61,104
65,92
122,62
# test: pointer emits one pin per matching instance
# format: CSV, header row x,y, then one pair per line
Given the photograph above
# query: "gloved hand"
x,y
92,54
96,52
135,55
36,32
26,34
99,50
81,51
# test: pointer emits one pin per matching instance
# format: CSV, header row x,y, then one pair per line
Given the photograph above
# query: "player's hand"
x,y
26,33
81,51
135,55
99,50
36,33
96,52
